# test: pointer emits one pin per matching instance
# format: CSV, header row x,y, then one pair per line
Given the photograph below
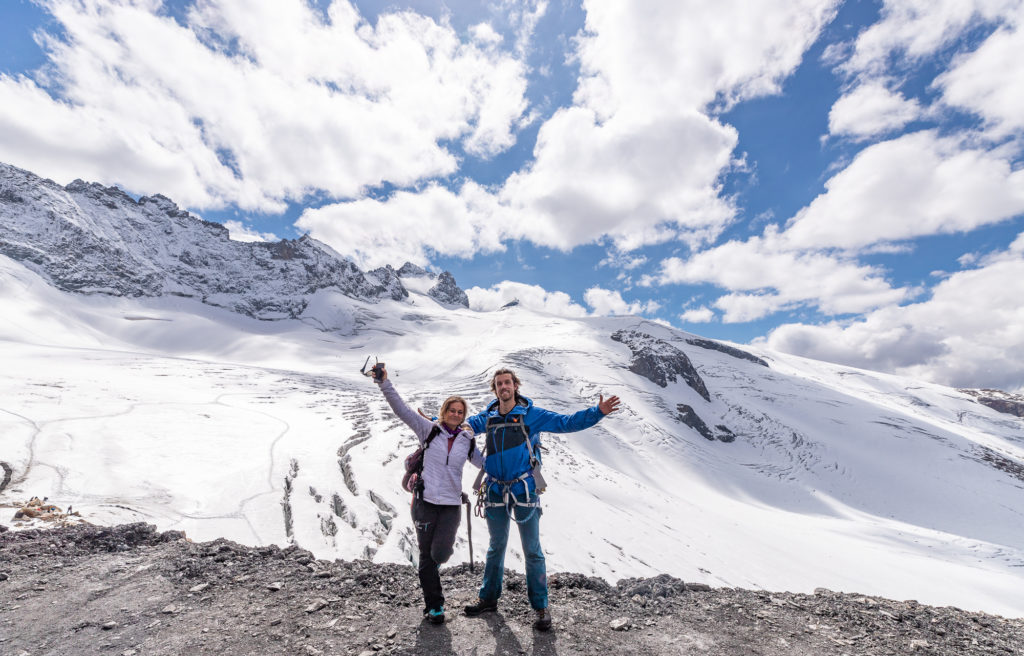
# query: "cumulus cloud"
x,y
605,302
968,333
766,276
703,314
644,58
254,104
637,158
913,29
411,226
533,297
988,81
918,184
871,109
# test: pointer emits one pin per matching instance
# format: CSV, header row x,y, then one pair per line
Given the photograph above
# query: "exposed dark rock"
x,y
1011,404
391,286
688,416
1001,462
412,270
8,473
514,302
724,434
446,291
662,585
660,362
132,590
728,350
92,239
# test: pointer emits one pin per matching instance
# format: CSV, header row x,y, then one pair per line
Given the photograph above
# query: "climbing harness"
x,y
509,501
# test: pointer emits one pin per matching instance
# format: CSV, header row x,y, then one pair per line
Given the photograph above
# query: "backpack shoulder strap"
x,y
430,436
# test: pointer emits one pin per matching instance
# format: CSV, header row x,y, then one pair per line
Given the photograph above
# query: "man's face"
x,y
504,387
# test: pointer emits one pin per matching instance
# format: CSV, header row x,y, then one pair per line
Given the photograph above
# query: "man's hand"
x,y
609,406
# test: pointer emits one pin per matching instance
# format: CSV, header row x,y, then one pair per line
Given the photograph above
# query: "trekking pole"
x,y
469,528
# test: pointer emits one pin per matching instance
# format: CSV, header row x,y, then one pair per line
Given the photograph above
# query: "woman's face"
x,y
454,415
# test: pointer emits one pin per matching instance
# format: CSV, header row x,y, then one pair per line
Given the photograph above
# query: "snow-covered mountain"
x,y
140,383
93,239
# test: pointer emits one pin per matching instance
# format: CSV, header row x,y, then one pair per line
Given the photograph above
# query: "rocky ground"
x,y
131,591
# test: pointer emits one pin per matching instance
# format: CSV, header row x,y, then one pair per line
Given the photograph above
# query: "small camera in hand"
x,y
376,371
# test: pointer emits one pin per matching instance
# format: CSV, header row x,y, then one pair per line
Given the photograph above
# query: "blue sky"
x,y
841,180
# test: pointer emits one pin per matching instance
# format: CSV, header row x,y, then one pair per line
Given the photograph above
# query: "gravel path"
x,y
131,591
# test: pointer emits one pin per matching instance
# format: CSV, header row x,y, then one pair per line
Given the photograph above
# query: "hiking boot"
x,y
482,606
543,622
436,616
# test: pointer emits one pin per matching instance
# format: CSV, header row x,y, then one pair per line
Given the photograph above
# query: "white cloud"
x,y
624,261
637,158
640,184
766,277
918,184
871,109
650,58
484,34
411,226
913,29
241,232
703,314
533,297
606,302
255,103
969,333
603,302
990,80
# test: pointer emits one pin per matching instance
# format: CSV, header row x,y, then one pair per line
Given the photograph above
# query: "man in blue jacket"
x,y
513,480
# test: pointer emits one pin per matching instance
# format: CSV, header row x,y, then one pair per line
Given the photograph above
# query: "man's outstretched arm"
x,y
542,420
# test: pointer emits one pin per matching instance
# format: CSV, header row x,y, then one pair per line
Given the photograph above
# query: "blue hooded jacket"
x,y
506,455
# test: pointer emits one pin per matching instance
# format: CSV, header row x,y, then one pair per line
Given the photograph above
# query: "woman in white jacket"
x,y
436,503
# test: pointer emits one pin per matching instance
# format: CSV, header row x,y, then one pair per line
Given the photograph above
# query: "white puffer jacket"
x,y
442,469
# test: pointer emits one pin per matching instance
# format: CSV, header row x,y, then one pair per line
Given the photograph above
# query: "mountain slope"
x,y
727,465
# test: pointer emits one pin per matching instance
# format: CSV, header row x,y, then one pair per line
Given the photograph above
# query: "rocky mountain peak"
x,y
89,238
388,279
446,291
409,269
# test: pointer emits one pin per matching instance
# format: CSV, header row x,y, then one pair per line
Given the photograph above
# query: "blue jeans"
x,y
529,534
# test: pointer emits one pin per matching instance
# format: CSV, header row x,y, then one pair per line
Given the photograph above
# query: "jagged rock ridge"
x,y
444,289
728,350
88,238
